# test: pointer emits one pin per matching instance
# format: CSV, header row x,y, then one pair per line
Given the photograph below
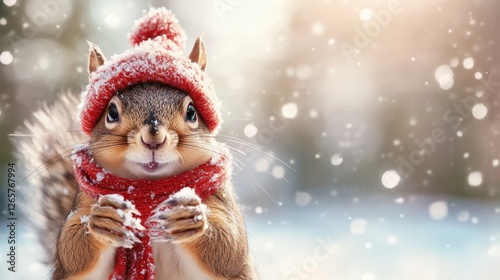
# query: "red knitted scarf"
x,y
138,262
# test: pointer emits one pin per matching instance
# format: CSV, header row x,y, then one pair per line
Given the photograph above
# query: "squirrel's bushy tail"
x,y
44,155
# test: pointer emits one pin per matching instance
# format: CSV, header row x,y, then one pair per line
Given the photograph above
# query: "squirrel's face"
x,y
150,131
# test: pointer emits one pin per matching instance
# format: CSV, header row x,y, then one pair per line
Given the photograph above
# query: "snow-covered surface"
x,y
379,238
132,223
185,194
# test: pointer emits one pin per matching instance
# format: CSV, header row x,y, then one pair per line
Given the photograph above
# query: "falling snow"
x,y
262,164
366,15
463,216
303,198
358,226
475,178
337,159
438,210
318,28
6,58
9,3
278,171
289,110
390,179
250,130
444,76
479,111
468,63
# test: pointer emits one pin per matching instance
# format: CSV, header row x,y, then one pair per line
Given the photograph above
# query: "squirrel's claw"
x,y
111,218
179,218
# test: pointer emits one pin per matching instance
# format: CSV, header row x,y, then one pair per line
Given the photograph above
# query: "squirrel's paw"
x,y
111,220
180,218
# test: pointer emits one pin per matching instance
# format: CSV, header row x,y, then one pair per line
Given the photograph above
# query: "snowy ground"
x,y
365,238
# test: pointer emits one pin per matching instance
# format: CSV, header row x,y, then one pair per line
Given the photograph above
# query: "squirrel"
x,y
146,193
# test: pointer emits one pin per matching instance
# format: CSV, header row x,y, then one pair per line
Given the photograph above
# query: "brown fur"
x,y
76,248
226,234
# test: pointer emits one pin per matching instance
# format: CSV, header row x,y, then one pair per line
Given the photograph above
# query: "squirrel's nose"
x,y
154,139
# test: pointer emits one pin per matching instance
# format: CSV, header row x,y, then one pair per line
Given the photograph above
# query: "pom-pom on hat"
x,y
156,56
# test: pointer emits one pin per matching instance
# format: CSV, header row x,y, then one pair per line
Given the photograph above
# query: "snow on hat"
x,y
156,56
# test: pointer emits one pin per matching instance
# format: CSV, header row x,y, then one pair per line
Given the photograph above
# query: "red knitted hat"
x,y
156,56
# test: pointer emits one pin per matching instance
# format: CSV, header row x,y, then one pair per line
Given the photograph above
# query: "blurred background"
x,y
368,129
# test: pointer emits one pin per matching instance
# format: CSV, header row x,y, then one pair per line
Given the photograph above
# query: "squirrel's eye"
x,y
112,113
191,113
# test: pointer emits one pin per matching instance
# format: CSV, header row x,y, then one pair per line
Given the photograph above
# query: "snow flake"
x,y
463,216
112,20
438,210
444,76
475,178
84,219
289,110
390,179
302,198
399,200
468,63
336,159
454,62
43,63
479,111
250,130
358,226
278,172
262,164
317,28
6,58
9,3
366,15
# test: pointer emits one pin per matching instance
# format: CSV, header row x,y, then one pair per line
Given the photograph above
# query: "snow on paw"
x,y
180,218
111,218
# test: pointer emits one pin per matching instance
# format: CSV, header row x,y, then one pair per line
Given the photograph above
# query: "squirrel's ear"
x,y
96,57
198,54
